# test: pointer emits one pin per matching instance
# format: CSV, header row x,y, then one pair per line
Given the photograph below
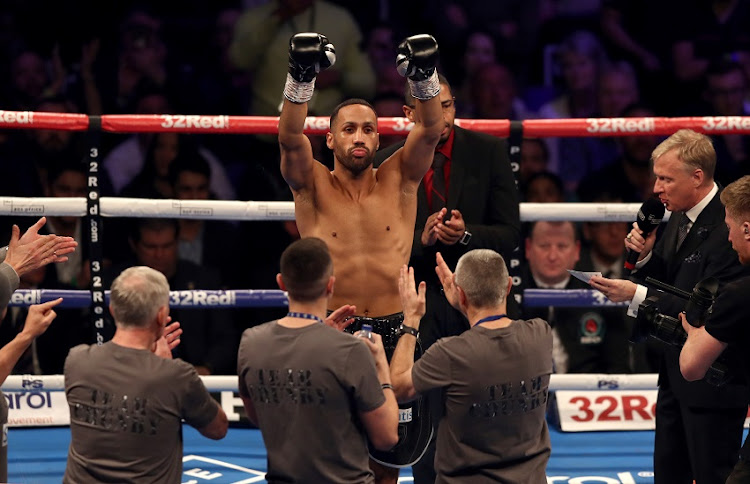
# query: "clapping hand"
x,y
31,250
169,339
412,297
341,318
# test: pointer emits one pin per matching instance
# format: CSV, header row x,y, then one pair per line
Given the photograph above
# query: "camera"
x,y
668,329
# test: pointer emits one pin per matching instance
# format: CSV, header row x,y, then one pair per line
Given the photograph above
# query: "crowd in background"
x,y
505,60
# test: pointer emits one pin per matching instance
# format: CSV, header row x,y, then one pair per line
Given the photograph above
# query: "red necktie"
x,y
439,195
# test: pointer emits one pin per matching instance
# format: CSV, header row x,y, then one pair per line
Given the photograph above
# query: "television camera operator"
x,y
728,324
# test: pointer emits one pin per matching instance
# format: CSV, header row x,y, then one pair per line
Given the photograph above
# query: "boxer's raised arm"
x,y
417,58
309,53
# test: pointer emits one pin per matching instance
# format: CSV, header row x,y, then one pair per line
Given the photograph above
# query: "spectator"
x,y
586,340
262,37
726,91
390,105
706,31
153,179
513,24
31,81
220,87
478,50
209,340
42,149
139,58
204,242
579,59
217,87
389,81
380,46
68,179
630,177
617,89
123,161
495,95
632,31
534,158
603,250
543,187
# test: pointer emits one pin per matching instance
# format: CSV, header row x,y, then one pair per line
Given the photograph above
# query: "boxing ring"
x,y
605,437
37,456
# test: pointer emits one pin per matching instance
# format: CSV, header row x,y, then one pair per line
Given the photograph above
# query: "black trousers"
x,y
424,470
694,443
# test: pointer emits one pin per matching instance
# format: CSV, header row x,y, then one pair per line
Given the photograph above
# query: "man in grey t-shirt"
x,y
315,392
494,377
128,398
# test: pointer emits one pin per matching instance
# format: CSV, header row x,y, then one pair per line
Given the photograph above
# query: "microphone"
x,y
648,218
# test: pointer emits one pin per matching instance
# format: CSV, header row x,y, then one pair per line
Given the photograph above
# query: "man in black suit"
x,y
473,205
698,426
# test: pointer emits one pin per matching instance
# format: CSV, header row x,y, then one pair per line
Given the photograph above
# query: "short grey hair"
x,y
483,276
136,296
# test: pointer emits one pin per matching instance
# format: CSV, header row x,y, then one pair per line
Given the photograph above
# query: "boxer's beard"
x,y
355,165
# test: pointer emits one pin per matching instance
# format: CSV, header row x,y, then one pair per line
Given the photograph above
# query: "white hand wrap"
x,y
299,92
427,89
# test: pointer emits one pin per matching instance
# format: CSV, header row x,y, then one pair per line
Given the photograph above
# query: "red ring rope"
x,y
532,128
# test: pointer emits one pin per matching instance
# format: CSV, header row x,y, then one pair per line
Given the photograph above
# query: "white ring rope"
x,y
252,210
236,210
577,381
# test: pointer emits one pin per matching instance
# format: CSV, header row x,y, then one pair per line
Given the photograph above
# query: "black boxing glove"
x,y
417,57
309,53
416,60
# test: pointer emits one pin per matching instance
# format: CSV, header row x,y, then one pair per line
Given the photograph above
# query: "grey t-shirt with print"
x,y
308,386
495,386
126,411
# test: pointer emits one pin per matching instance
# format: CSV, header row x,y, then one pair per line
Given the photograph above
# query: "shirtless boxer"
x,y
366,216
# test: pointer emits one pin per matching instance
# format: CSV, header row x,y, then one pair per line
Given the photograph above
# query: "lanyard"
x,y
494,317
292,314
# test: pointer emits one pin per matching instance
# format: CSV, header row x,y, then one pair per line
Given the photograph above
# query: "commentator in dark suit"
x,y
467,200
698,426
